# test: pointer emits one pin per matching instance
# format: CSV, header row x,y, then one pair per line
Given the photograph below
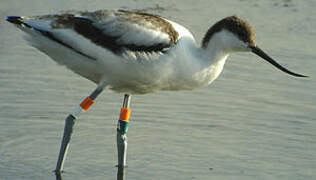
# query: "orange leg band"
x,y
86,103
125,113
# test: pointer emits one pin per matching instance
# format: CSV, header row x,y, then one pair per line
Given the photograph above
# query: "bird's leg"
x,y
69,123
121,138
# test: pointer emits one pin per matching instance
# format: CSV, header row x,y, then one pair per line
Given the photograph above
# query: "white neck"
x,y
214,55
198,67
222,44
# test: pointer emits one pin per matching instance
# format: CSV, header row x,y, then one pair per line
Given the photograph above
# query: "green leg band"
x,y
122,126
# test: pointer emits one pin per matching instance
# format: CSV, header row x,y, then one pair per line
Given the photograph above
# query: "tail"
x,y
17,20
24,24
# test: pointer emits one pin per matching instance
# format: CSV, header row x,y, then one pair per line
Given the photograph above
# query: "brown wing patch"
x,y
155,20
87,28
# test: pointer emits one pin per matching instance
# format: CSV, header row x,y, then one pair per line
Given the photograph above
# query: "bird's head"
x,y
236,35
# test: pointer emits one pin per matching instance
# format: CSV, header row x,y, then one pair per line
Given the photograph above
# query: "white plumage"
x,y
138,53
134,53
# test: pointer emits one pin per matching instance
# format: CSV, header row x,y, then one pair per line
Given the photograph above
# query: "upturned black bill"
x,y
259,52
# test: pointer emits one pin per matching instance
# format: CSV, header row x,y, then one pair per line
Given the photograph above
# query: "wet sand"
x,y
253,122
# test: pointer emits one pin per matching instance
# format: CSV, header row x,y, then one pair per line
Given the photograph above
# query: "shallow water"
x,y
254,122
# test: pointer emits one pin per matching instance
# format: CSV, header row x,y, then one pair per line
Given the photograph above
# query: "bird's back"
x,y
110,45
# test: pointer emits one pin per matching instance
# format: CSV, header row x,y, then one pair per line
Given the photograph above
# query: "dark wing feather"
x,y
120,30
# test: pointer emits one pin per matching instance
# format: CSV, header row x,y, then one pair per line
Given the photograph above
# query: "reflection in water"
x,y
120,174
58,176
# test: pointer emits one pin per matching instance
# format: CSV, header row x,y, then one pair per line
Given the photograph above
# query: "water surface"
x,y
254,122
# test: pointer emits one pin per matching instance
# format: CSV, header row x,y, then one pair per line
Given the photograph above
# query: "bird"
x,y
134,52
